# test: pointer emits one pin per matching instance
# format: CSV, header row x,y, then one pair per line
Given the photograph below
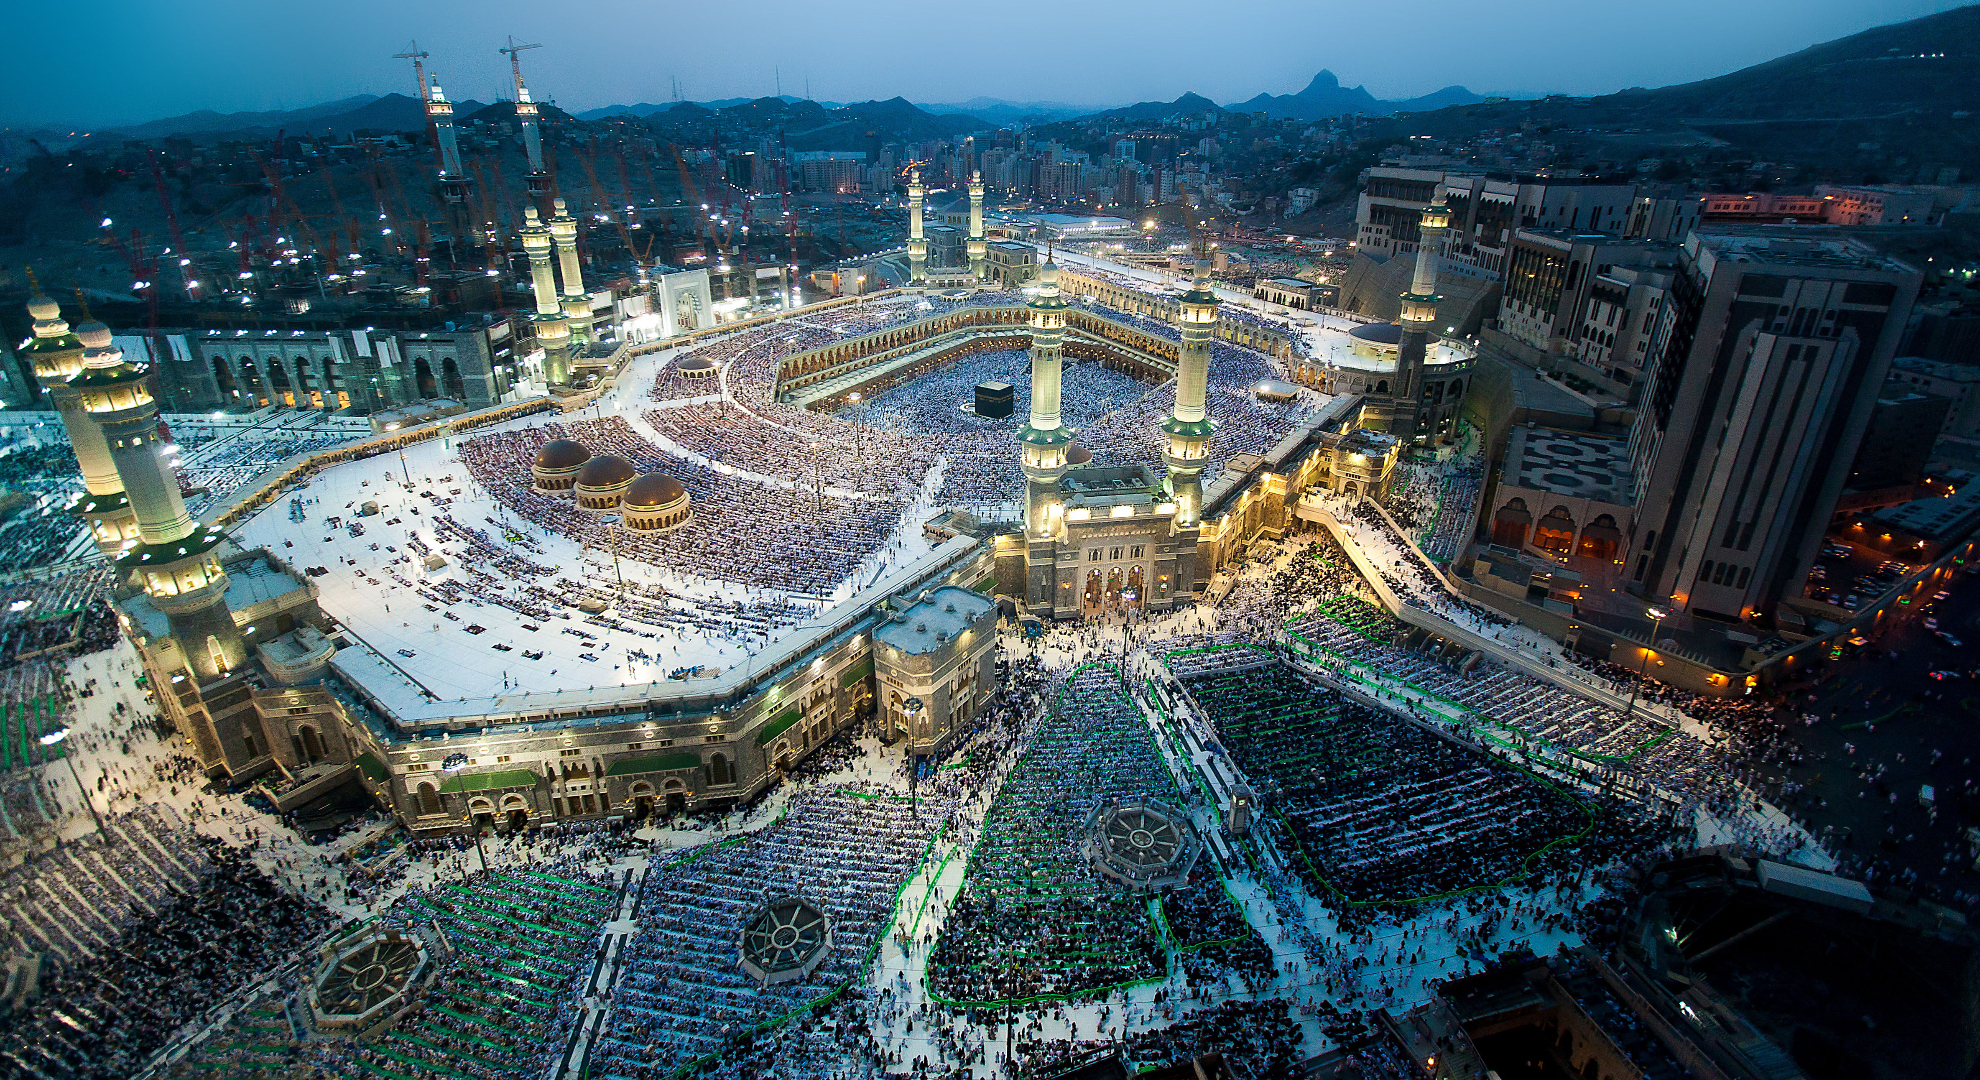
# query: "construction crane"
x,y
514,52
418,56
186,280
353,238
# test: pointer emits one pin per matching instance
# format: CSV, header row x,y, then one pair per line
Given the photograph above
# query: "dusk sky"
x,y
123,61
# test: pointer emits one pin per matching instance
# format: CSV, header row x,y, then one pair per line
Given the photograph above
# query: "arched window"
x,y
719,771
427,799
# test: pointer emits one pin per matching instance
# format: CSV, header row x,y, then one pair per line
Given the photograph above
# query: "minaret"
x,y
552,332
537,183
57,355
174,558
1189,427
917,243
577,305
1419,322
977,246
1044,440
453,183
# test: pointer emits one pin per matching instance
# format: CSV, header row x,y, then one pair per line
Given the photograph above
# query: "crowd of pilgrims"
x,y
795,540
519,945
845,851
145,929
38,473
885,447
218,471
1381,812
1438,504
1257,1040
64,611
1033,920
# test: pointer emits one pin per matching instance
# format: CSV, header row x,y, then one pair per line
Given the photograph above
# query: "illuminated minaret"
x,y
1419,322
453,183
1045,440
1189,427
537,183
174,559
552,332
577,306
976,244
917,243
57,356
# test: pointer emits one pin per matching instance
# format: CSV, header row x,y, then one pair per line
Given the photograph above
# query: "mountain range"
x,y
1323,97
1922,64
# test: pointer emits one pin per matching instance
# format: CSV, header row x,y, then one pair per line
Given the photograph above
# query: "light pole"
x,y
612,523
1657,616
50,740
453,764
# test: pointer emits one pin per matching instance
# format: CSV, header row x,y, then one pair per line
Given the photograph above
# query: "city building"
x,y
1957,384
934,662
1755,411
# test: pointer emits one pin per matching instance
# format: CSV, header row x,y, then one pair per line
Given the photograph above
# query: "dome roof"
x,y
606,470
93,335
654,489
561,454
43,308
1078,455
1378,333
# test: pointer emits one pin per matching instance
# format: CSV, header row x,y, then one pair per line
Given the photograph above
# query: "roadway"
x,y
1886,728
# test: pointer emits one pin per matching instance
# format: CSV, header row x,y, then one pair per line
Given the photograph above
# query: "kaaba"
x,y
993,399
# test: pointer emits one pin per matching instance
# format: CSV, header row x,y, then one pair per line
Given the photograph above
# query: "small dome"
x,y
44,308
93,335
1378,333
697,363
654,489
1078,455
561,454
1276,390
605,471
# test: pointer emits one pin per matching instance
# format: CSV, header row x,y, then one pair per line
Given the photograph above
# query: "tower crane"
x,y
418,56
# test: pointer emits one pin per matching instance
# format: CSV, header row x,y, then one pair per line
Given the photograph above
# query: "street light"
x,y
454,763
55,737
1657,617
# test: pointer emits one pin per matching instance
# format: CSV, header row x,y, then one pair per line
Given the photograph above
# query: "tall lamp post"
x,y
453,764
1657,617
51,740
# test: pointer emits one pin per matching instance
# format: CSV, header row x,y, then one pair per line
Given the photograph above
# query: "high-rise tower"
x,y
174,558
1189,426
553,333
57,355
1045,439
917,241
577,305
976,245
1419,322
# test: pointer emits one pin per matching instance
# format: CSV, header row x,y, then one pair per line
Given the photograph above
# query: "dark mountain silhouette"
x,y
1325,97
895,119
1923,64
393,112
1190,104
